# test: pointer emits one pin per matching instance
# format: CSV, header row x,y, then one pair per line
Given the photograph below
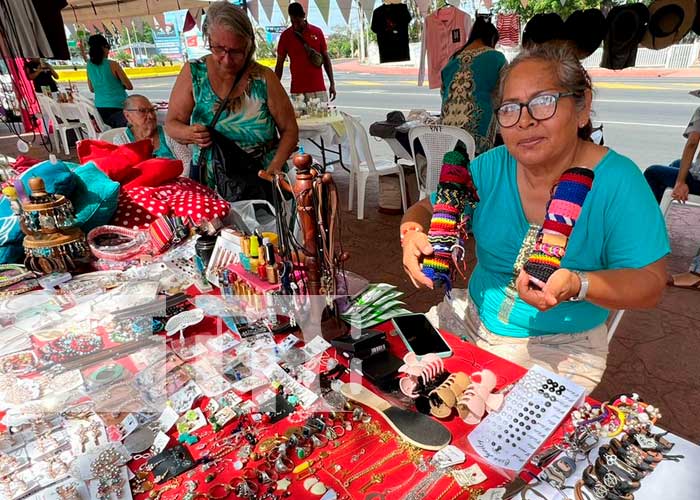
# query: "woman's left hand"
x,y
561,286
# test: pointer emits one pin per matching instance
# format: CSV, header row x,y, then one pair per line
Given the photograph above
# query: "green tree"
x,y
339,44
544,6
264,49
123,58
161,59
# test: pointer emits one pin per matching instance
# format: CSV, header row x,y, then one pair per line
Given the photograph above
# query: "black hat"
x,y
543,28
586,28
626,27
669,22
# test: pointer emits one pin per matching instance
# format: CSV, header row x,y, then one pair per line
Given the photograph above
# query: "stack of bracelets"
x,y
633,452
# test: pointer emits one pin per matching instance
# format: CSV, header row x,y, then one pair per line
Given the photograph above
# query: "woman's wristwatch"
x,y
583,291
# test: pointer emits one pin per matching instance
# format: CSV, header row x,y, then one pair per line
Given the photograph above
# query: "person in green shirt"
x,y
107,80
615,257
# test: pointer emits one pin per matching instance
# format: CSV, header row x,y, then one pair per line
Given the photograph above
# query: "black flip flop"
x,y
415,428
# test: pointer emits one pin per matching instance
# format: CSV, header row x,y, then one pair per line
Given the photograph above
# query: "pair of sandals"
x,y
472,397
689,280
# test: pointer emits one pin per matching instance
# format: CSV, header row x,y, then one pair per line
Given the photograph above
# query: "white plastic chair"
x,y
114,135
613,322
60,124
92,119
666,200
364,165
436,141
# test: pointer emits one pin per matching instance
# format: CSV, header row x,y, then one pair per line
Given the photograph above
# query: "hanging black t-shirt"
x,y
43,79
390,23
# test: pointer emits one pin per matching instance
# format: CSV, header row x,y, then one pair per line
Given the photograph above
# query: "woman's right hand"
x,y
199,135
415,247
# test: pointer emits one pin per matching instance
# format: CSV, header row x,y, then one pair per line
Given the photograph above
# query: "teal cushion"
x,y
10,234
58,177
94,198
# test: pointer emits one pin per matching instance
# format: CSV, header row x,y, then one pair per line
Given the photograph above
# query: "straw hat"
x,y
669,22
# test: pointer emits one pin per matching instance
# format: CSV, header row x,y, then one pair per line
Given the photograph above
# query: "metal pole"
x,y
131,49
360,17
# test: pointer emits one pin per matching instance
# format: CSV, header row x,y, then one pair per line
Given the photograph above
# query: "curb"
x,y
356,67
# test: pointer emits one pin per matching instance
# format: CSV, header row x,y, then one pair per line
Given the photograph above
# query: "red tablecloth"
x,y
466,357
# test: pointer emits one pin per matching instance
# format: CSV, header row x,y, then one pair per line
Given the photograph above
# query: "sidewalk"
x,y
354,66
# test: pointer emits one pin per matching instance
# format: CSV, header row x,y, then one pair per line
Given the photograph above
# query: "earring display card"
x,y
533,409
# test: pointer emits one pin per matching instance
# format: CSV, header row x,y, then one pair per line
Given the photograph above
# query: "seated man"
x,y
683,175
142,124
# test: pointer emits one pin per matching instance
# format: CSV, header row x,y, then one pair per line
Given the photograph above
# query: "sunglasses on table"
x,y
541,107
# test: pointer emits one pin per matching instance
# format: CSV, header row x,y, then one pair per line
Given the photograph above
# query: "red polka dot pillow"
x,y
140,206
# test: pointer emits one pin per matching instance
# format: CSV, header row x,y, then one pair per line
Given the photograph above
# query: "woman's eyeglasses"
x,y
221,51
143,111
541,107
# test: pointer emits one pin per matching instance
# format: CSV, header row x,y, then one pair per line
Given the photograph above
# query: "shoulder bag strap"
x,y
201,161
306,45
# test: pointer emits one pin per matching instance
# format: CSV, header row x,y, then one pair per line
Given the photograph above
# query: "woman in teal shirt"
x,y
615,257
468,80
107,80
142,124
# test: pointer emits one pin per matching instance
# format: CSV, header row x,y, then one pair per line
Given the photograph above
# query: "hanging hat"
x,y
586,28
669,22
626,27
696,20
543,28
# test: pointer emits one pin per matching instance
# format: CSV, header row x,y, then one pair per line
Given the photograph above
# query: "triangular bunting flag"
x,y
190,22
524,3
562,2
368,8
325,7
268,7
345,7
253,9
283,4
71,29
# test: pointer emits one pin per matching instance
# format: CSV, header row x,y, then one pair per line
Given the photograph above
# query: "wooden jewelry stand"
x,y
306,180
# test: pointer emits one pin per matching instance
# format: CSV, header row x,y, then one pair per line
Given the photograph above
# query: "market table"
x,y
326,133
369,460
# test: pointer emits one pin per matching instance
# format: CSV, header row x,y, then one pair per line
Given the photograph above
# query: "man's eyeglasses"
x,y
221,51
541,107
143,111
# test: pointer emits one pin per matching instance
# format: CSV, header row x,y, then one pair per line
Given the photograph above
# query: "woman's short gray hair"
x,y
570,74
231,18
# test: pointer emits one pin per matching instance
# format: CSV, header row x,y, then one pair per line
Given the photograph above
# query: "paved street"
x,y
643,118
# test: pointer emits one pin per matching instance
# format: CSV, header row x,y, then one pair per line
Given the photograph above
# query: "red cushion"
x,y
139,206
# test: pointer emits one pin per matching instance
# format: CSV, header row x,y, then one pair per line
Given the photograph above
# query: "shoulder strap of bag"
x,y
303,41
226,100
196,172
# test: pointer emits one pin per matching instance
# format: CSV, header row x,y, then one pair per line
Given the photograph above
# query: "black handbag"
x,y
235,170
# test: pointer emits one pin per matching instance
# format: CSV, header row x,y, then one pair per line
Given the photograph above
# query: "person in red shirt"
x,y
306,47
